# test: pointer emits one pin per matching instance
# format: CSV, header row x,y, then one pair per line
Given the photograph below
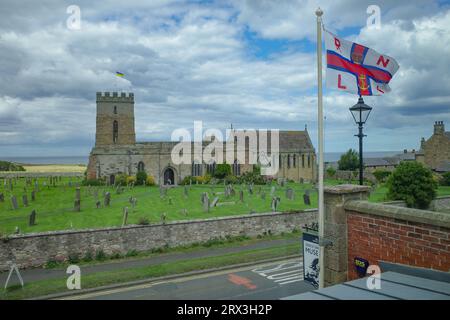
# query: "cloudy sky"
x,y
251,63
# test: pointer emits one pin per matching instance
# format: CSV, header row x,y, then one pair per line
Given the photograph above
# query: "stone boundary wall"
x,y
441,204
395,234
33,250
25,174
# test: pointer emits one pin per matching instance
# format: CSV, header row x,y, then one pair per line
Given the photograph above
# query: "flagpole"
x,y
319,14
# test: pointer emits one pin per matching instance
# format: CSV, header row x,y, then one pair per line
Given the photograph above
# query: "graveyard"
x,y
63,203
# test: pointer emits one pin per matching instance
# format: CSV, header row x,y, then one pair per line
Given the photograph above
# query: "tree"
x,y
331,172
349,160
141,177
381,175
445,181
412,182
222,170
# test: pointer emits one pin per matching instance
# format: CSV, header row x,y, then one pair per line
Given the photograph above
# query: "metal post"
x,y
361,165
319,14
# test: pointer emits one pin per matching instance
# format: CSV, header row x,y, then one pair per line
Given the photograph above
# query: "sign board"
x,y
311,259
361,266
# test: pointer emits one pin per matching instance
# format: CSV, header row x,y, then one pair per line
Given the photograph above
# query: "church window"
x,y
303,160
115,109
115,131
309,161
289,161
294,160
236,168
141,167
196,169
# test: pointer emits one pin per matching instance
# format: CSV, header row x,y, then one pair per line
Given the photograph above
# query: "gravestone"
x,y
32,218
17,231
184,212
77,194
33,195
232,192
206,203
107,199
185,191
250,189
133,203
14,203
214,203
290,194
98,204
306,199
241,196
125,216
163,218
2,197
272,191
275,203
36,186
25,200
77,205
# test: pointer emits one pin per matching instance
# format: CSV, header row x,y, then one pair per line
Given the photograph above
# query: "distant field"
x,y
54,205
55,168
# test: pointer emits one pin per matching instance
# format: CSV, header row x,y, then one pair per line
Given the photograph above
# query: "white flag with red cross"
x,y
357,69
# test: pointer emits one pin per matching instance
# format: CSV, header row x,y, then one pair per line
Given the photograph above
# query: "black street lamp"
x,y
360,113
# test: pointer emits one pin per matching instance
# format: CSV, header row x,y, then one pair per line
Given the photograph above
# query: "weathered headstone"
x,y
98,204
275,202
77,205
241,196
206,203
214,202
77,194
107,199
184,212
14,203
185,191
25,200
306,199
32,218
163,218
2,197
33,195
17,231
289,194
125,216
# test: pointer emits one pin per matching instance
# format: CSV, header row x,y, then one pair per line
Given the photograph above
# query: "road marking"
x,y
241,281
175,280
283,273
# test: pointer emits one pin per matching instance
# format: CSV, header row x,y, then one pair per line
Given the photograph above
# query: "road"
x,y
266,281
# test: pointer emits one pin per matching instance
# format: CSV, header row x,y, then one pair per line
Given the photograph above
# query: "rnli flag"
x,y
357,69
120,74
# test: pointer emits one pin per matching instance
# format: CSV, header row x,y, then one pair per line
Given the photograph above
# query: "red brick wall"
x,y
380,238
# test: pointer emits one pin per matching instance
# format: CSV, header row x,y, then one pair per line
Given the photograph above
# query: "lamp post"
x,y
360,113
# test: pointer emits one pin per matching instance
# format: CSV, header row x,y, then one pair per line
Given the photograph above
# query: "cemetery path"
x,y
36,274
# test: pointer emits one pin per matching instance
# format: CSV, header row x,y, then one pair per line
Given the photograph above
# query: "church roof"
x,y
295,140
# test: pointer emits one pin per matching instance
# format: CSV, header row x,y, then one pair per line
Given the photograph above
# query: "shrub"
x,y
222,170
52,263
73,258
381,175
231,179
445,180
88,256
141,176
331,172
349,160
121,179
100,255
131,253
130,180
252,177
188,180
413,183
204,179
116,255
9,166
151,181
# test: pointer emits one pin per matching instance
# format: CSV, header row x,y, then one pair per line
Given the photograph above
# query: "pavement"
x,y
31,275
268,281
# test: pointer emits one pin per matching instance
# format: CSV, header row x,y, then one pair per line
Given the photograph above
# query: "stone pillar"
x,y
336,229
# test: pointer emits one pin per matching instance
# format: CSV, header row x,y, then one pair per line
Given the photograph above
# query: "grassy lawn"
x,y
45,287
55,168
54,205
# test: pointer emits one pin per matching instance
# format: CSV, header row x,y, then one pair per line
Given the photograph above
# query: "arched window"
x,y
196,169
115,109
289,161
294,160
280,160
236,168
303,160
141,167
309,161
115,131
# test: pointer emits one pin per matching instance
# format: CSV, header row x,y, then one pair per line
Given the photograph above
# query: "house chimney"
x,y
439,127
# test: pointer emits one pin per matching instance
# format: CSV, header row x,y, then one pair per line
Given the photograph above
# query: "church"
x,y
117,152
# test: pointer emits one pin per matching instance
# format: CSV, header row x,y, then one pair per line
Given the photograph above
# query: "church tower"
x,y
115,119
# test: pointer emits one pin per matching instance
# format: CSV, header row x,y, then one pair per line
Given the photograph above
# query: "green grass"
x,y
54,205
44,287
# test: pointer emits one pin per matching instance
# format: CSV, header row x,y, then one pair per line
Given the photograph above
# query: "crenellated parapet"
x,y
115,96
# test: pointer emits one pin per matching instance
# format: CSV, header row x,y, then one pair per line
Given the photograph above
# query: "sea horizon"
x,y
75,160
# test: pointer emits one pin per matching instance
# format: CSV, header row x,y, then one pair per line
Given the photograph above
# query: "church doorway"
x,y
112,179
169,176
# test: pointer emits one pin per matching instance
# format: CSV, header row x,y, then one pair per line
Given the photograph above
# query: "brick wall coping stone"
x,y
63,232
440,219
345,188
